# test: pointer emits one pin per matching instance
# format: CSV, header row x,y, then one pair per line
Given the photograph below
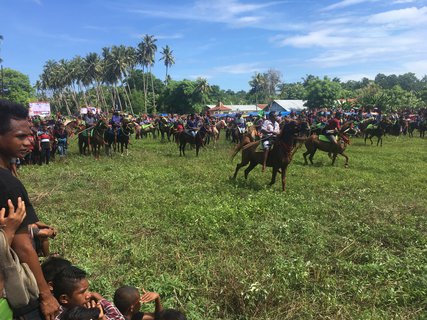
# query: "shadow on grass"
x,y
241,182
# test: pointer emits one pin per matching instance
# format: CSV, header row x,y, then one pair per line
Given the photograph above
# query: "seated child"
x,y
128,300
82,313
52,266
71,289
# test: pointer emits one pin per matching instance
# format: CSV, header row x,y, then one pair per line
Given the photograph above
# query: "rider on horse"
x,y
240,123
333,126
270,128
191,126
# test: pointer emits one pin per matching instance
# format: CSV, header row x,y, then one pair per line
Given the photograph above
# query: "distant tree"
x,y
322,93
274,79
259,89
168,60
292,91
17,86
408,81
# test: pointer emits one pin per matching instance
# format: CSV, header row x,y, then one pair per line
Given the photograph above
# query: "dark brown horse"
x,y
313,143
279,157
376,131
97,137
198,140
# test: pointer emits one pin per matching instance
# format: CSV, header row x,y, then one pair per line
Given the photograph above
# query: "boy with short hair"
x,y
71,288
128,300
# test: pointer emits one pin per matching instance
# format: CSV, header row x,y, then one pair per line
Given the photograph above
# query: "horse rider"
x,y
270,128
191,126
333,127
240,123
89,119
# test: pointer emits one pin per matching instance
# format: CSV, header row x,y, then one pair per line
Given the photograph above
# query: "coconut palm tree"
x,y
168,60
150,48
202,90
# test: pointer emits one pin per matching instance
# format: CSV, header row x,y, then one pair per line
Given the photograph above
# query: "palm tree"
x,y
168,60
150,48
258,85
202,89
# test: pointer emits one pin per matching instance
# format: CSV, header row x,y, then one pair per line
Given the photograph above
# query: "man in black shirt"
x,y
14,142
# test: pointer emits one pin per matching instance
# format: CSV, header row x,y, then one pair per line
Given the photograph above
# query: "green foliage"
x,y
17,86
321,93
339,244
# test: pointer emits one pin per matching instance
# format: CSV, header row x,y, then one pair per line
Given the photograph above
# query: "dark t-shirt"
x,y
12,188
138,316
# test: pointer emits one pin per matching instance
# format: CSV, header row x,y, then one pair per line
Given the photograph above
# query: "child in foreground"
x,y
128,300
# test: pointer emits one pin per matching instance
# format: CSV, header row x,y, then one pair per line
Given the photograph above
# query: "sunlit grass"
x,y
340,243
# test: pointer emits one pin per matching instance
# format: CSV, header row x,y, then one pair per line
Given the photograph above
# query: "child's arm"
x,y
148,297
14,219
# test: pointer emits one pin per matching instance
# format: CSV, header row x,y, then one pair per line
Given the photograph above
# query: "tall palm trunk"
x,y
154,96
118,96
144,86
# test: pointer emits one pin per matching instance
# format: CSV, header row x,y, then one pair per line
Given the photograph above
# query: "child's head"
x,y
52,266
170,314
71,288
82,313
127,300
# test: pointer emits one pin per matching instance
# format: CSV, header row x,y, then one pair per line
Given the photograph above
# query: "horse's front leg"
x,y
284,168
273,175
346,159
334,156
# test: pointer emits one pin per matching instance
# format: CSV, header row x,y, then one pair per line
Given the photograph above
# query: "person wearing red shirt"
x,y
333,127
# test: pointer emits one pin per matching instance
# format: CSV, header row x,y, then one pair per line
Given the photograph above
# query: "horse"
x,y
315,142
279,157
97,137
149,128
71,127
375,131
165,128
83,139
123,136
198,140
422,128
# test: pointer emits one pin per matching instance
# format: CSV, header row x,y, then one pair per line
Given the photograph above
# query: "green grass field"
x,y
339,244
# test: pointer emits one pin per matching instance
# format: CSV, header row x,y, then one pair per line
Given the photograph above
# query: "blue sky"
x,y
226,41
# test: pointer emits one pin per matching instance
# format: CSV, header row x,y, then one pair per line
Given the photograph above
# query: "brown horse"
x,y
313,143
71,127
279,157
198,140
97,137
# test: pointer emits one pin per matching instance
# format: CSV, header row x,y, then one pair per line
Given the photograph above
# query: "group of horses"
x,y
292,135
93,138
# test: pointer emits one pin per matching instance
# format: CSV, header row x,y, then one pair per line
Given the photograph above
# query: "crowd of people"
x,y
50,138
54,289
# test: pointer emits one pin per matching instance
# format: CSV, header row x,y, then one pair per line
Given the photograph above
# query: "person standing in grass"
x,y
14,143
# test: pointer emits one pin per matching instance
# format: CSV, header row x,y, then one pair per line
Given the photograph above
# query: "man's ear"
x,y
64,299
50,284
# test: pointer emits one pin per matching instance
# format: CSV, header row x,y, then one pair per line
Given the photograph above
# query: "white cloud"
x,y
346,3
403,1
403,17
230,12
240,68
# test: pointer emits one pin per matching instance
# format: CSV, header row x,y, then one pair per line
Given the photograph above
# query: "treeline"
x,y
122,77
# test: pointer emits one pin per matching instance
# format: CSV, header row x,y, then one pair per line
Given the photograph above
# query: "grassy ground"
x,y
339,244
